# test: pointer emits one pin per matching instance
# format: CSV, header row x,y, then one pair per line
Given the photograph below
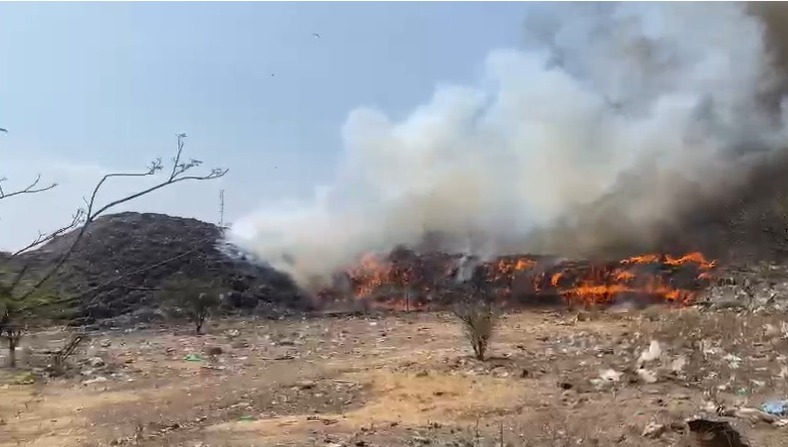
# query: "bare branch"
x,y
91,213
30,189
43,238
177,157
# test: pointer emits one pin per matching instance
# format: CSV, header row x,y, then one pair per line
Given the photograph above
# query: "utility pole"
x,y
221,208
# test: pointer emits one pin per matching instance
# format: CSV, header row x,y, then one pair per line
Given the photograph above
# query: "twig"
x,y
90,214
30,189
44,238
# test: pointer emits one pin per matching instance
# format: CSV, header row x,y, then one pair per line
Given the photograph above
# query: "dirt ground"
x,y
552,379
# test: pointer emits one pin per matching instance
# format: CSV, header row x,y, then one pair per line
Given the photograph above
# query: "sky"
x,y
91,88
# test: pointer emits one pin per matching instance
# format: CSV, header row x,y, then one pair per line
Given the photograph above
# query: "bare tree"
x,y
14,296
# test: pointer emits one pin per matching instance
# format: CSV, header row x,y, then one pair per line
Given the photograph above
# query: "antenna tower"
x,y
221,209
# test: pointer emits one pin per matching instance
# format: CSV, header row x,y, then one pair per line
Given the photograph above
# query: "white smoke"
x,y
597,91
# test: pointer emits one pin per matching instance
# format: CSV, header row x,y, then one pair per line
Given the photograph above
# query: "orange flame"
x,y
589,284
599,286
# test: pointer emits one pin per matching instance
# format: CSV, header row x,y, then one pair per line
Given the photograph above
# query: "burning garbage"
x,y
406,280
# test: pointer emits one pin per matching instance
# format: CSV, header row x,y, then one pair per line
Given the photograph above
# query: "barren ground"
x,y
404,379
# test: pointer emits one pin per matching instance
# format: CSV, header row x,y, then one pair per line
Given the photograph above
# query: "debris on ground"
x,y
653,430
776,407
99,379
342,381
654,352
753,415
711,433
96,362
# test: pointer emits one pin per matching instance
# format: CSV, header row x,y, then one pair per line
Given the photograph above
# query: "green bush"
x,y
193,299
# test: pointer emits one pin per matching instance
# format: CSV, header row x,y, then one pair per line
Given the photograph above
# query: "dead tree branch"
x,y
29,189
92,211
43,238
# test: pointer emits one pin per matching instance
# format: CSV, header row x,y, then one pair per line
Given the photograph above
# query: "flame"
x,y
508,268
624,275
555,278
408,285
601,286
695,257
371,273
642,259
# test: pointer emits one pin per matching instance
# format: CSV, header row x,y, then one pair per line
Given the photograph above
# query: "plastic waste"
x,y
776,407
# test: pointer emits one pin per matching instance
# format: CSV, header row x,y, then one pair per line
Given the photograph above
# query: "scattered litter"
x,y
678,364
733,360
653,352
753,415
610,375
99,379
653,430
96,362
776,407
193,358
232,333
647,376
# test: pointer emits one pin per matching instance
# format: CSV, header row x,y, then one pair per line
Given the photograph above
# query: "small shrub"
x,y
193,299
478,319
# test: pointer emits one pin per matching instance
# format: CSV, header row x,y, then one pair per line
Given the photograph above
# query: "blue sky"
x,y
91,87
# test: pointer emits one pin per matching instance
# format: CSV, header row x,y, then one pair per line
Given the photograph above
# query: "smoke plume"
x,y
607,119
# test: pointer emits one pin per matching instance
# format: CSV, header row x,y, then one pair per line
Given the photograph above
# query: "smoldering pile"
x,y
407,280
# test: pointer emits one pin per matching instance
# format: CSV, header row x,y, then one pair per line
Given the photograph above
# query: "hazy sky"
x,y
86,88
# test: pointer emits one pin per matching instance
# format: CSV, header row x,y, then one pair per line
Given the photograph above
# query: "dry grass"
x,y
395,381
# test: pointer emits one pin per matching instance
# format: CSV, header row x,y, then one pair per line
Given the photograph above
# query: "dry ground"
x,y
403,379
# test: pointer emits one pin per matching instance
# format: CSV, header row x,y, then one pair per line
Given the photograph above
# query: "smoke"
x,y
625,106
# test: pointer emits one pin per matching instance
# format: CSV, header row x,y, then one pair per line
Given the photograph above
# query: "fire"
x,y
643,259
555,278
372,272
603,285
508,268
695,257
415,282
624,276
